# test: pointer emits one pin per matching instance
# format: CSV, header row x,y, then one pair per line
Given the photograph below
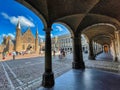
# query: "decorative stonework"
x,y
22,42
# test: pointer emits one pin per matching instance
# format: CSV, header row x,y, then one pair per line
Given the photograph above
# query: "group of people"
x,y
62,54
4,55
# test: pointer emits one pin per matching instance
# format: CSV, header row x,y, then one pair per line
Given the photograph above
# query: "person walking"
x,y
14,54
54,53
3,55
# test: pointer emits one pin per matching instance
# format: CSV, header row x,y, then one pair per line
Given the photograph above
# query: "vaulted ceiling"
x,y
79,14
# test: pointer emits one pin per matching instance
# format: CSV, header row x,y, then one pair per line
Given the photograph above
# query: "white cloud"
x,y
52,35
59,28
30,18
41,36
11,35
1,39
14,20
5,15
3,35
14,33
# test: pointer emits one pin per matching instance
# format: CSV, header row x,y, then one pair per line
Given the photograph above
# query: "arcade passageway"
x,y
98,20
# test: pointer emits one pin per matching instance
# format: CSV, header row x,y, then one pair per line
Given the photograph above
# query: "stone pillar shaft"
x,y
91,53
115,54
117,41
77,54
48,76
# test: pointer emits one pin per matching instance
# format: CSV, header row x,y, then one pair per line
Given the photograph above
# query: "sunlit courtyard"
x,y
59,45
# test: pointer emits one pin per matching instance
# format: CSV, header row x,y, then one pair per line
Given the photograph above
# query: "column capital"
x,y
71,37
47,29
76,37
117,31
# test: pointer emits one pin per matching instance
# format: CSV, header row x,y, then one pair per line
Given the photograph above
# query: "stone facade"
x,y
65,42
7,45
24,42
62,42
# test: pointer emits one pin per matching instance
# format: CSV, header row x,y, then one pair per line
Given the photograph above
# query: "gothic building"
x,y
23,41
26,41
65,42
62,42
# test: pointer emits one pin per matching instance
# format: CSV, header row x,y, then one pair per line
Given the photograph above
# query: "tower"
x,y
36,41
18,37
10,46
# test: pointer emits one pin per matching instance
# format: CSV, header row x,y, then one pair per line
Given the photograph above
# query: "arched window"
x,y
23,47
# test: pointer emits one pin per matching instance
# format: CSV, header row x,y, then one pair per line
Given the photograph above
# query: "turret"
x,y
18,25
36,41
18,37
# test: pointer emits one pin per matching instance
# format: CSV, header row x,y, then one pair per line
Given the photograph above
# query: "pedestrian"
x,y
54,53
60,54
63,53
3,55
14,54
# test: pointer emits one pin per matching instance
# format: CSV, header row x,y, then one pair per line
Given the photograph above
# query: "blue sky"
x,y
11,11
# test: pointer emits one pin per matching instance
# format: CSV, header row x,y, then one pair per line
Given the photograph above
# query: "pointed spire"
x,y
18,25
37,30
28,27
37,34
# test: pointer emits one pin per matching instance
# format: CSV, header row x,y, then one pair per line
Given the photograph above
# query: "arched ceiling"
x,y
92,19
79,14
103,39
100,36
54,9
99,29
109,8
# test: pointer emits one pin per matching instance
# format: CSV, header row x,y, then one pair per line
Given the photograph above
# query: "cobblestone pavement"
x,y
102,63
26,74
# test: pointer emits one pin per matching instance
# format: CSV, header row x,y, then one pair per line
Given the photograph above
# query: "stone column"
x,y
77,53
91,53
95,48
98,51
100,48
117,44
48,76
115,54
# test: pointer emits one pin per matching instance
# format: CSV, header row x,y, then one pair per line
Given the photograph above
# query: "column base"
x,y
48,80
91,58
116,59
78,65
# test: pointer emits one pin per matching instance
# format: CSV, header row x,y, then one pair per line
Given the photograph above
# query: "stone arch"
x,y
94,19
104,35
68,27
86,37
108,24
24,3
29,46
109,29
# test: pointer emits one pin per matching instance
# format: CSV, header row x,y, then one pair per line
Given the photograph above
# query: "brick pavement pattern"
x,y
26,73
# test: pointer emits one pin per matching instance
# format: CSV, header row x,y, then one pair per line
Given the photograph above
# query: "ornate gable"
x,y
28,37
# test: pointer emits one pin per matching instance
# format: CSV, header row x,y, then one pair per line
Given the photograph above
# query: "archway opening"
x,y
85,46
62,41
98,35
18,34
